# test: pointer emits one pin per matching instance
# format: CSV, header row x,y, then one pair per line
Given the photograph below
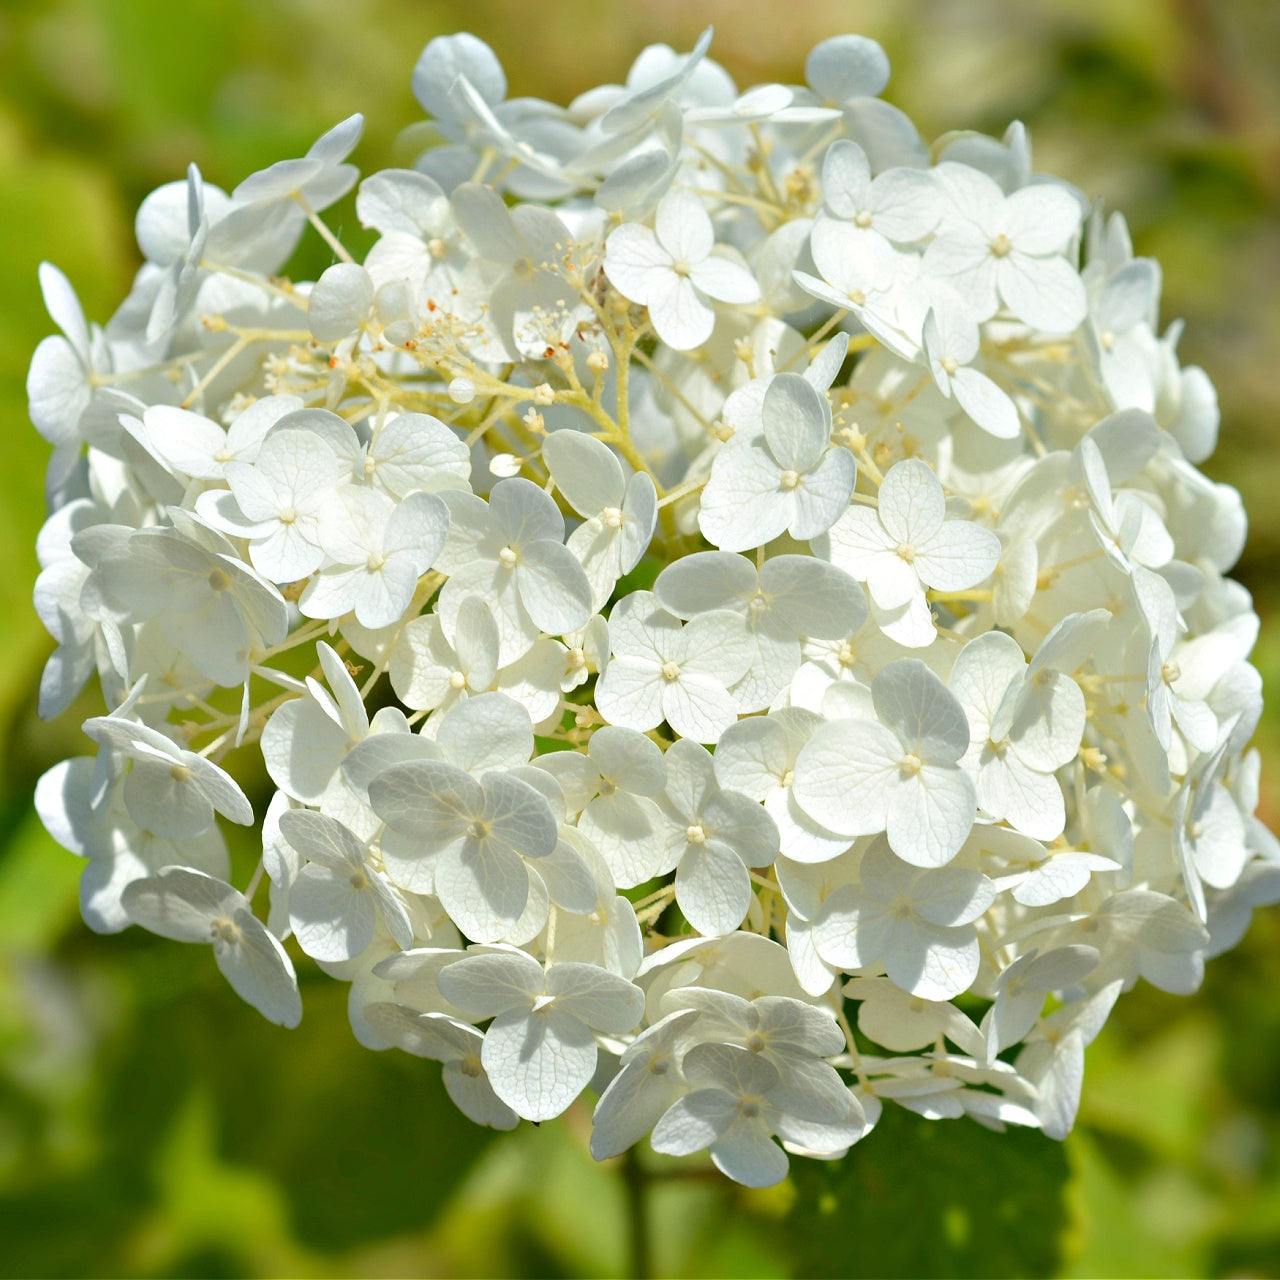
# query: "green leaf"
x,y
927,1199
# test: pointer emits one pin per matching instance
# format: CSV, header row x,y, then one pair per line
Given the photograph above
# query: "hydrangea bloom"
x,y
799,607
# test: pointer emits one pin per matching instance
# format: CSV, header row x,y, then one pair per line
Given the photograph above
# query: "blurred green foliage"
x,y
150,1124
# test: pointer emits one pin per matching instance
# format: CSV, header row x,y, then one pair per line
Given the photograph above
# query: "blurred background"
x,y
151,1124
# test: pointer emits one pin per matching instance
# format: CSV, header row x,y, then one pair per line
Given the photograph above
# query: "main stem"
x,y
639,1259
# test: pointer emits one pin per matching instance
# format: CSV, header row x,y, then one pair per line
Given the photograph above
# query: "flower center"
x,y
507,558
1001,246
224,929
670,670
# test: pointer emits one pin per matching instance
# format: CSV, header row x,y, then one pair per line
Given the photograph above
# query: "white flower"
x,y
757,756
950,341
711,836
661,670
1053,1059
995,249
672,271
204,599
1021,990
964,724
170,792
739,1101
315,181
279,499
917,924
906,545
619,512
190,906
59,380
789,478
463,840
900,773
1014,756
118,849
783,602
337,898
872,215
612,787
378,550
540,1048
805,887
511,552
648,1082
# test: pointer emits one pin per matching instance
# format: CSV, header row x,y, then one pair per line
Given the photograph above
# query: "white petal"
x,y
683,226
553,587
1047,293
1041,218
823,494
797,422
260,971
747,1153
842,776
713,889
960,555
984,402
538,1063
637,266
921,710
601,999
630,693
697,707
678,313
911,503
339,302
930,815
487,984
725,281
743,504
845,67
585,470
331,920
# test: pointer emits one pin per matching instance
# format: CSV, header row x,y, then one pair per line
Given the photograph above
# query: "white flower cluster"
x,y
724,597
